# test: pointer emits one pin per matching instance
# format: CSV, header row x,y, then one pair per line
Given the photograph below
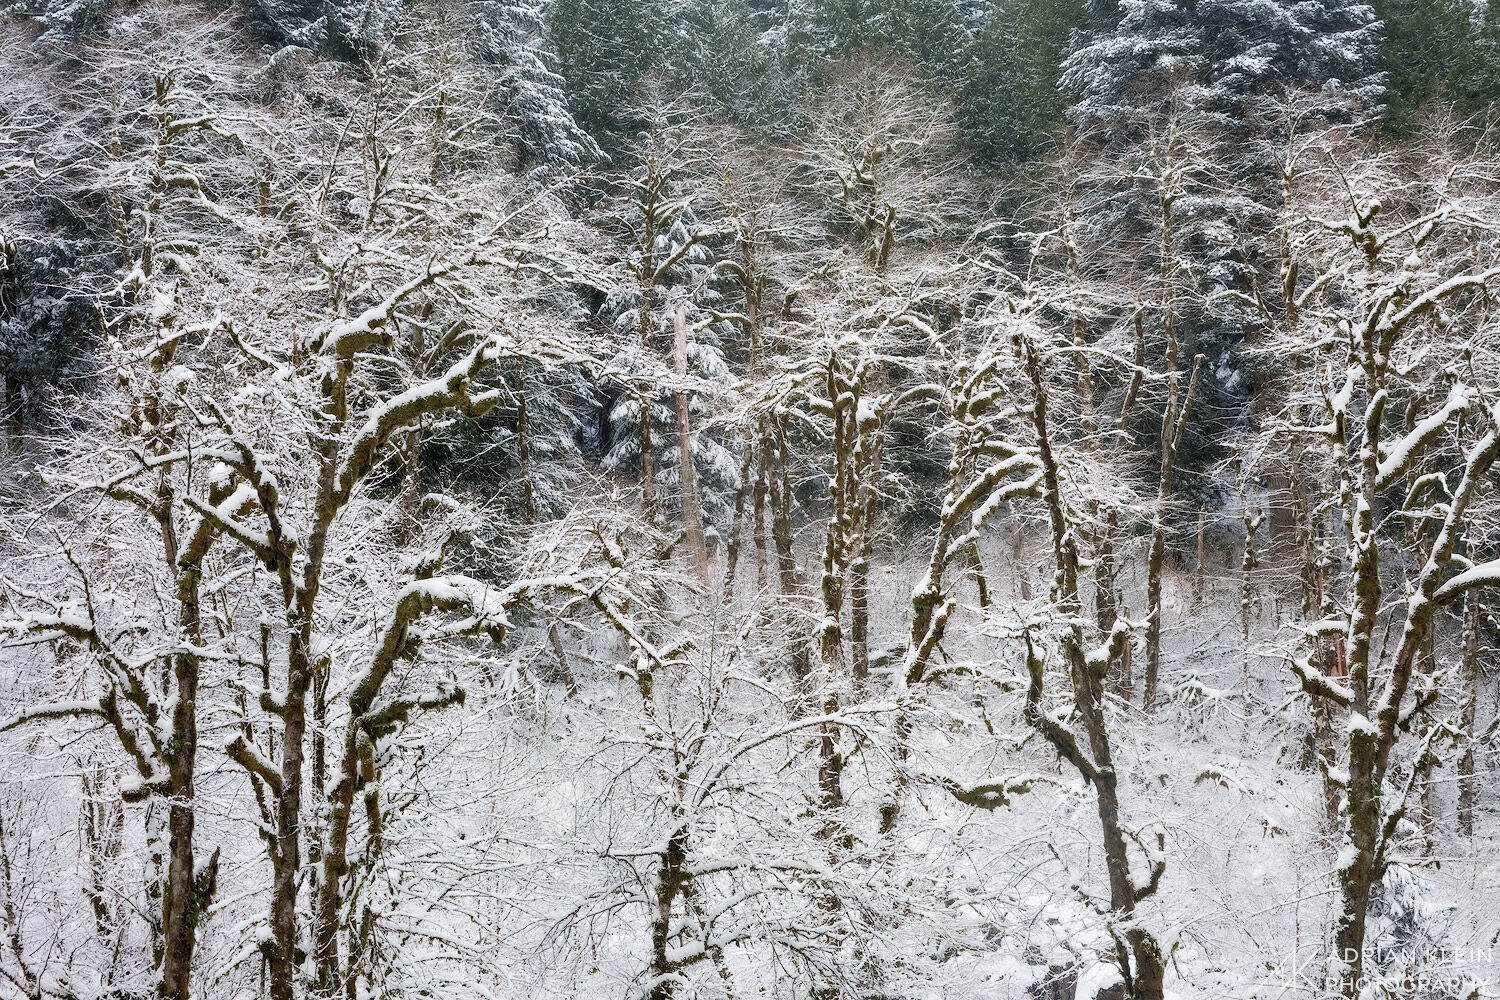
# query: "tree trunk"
x,y
669,879
692,508
831,656
1106,574
523,450
1249,597
779,487
737,522
1154,563
1174,419
185,896
1144,968
1018,554
286,862
329,904
1469,710
836,546
286,858
1427,663
648,464
758,501
180,908
859,622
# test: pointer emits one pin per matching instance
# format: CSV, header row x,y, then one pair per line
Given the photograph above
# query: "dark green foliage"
x,y
1182,98
603,49
730,52
1009,102
510,35
61,20
492,457
342,30
569,75
1438,50
929,34
48,331
1217,56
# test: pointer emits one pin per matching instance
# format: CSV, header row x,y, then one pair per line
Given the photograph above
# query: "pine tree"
x,y
666,266
62,20
733,50
1219,55
1009,100
1204,76
1438,51
329,27
510,35
929,34
603,49
1409,937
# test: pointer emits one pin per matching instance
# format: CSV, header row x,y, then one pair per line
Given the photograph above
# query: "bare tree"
x,y
1400,280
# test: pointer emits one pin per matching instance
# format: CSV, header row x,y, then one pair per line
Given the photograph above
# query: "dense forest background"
x,y
675,499
573,85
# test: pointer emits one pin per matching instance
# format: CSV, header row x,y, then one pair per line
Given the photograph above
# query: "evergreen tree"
x,y
929,34
1220,55
1009,99
47,332
1409,937
733,51
335,28
1439,50
603,49
61,20
1180,102
665,266
511,35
